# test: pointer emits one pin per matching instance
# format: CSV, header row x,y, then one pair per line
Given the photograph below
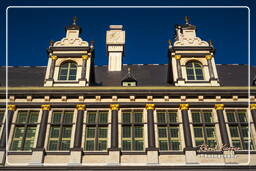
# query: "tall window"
x,y
194,71
60,130
67,71
132,130
96,135
25,130
168,130
204,128
238,127
1,118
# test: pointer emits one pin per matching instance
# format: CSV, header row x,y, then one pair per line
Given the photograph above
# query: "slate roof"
x,y
146,75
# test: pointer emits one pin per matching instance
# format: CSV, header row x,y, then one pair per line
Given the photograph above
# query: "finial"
x,y
129,70
74,20
187,19
210,43
51,43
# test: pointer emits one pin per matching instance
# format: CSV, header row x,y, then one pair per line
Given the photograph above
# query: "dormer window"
x,y
129,80
194,71
68,71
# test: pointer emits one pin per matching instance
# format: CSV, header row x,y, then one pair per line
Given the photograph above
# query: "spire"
x,y
187,19
74,20
73,26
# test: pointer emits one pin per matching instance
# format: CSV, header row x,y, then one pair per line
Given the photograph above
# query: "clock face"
x,y
115,37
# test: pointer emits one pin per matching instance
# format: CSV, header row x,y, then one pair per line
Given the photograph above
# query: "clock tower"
x,y
115,39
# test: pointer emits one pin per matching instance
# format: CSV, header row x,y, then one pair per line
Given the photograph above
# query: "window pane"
x,y
236,143
173,117
89,145
72,77
175,145
126,117
68,116
234,131
53,145
66,132
1,116
161,117
245,131
56,117
91,117
138,117
55,132
210,132
72,72
211,143
61,77
208,117
231,117
28,144
126,131
138,132
138,145
33,117
190,72
102,145
199,72
90,132
163,144
198,132
16,145
199,77
196,118
199,142
191,77
103,117
31,131
174,132
242,116
65,145
22,117
162,132
19,132
103,132
126,145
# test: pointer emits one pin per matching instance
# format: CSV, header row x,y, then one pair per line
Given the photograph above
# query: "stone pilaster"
x,y
209,63
54,58
186,126
85,57
177,57
223,129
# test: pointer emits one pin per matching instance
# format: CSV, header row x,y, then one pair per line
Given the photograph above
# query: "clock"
x,y
115,37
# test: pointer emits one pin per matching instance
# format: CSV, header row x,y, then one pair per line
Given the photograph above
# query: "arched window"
x,y
67,71
194,71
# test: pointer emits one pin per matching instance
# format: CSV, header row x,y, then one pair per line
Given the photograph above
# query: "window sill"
x,y
171,153
133,152
57,152
95,153
19,153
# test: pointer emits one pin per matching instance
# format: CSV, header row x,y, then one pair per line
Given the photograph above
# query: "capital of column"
x,y
114,106
85,57
177,57
219,106
46,107
184,106
208,57
150,106
11,107
253,106
80,107
54,57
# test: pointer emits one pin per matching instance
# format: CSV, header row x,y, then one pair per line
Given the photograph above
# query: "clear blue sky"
x,y
147,32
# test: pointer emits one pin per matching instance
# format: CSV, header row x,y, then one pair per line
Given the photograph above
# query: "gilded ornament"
x,y
184,106
253,106
85,57
46,107
219,106
208,57
150,106
177,57
114,106
54,57
80,107
11,107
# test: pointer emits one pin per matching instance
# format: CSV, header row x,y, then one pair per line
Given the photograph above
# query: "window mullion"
x,y
204,126
96,131
240,130
61,128
25,131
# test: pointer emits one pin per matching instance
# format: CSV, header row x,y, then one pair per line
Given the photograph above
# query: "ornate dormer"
x,y
191,59
70,60
129,79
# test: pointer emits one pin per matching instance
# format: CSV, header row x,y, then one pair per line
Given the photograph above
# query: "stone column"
x,y
114,151
177,57
79,126
223,129
76,152
186,126
209,63
152,151
253,112
54,58
85,57
38,152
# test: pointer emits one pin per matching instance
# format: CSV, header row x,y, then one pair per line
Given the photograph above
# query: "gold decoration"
x,y
208,57
114,106
54,57
11,107
184,106
219,106
46,107
177,57
253,106
85,57
80,107
150,106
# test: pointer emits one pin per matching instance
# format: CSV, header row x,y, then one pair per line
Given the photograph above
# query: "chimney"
x,y
115,40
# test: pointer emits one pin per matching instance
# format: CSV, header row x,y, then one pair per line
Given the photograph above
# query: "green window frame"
x,y
60,130
168,130
24,131
204,128
96,130
132,130
194,70
238,129
68,71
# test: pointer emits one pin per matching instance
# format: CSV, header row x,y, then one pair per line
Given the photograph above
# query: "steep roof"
x,y
146,75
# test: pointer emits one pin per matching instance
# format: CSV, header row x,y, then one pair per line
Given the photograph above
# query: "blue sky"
x,y
147,32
